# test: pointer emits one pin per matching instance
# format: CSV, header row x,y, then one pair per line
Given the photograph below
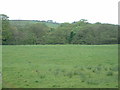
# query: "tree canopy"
x,y
39,32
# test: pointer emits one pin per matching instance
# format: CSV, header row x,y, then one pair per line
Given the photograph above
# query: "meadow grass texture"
x,y
60,66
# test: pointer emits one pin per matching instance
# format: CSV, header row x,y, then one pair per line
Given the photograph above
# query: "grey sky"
x,y
105,11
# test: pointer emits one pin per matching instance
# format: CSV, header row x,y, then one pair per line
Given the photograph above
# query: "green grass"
x,y
0,66
60,66
24,23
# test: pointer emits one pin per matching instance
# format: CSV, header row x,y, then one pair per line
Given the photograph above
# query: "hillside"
x,y
21,32
27,22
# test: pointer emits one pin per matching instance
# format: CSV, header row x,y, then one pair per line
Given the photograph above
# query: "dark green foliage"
x,y
72,34
69,74
36,81
42,32
109,73
42,76
6,32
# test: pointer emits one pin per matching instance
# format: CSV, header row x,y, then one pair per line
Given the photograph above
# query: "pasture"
x,y
0,66
60,66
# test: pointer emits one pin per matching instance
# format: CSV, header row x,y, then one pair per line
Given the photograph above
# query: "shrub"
x,y
42,76
109,73
93,82
70,74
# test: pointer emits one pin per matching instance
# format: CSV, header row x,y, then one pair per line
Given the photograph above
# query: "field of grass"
x,y
0,66
24,23
60,66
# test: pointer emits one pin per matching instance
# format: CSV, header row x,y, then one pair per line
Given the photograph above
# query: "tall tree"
x,y
6,33
39,32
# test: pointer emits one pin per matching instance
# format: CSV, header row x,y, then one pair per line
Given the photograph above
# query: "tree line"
x,y
79,32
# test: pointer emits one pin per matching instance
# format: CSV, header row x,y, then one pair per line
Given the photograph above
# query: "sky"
x,y
104,11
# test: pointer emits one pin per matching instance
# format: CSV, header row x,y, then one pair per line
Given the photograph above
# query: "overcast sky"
x,y
105,11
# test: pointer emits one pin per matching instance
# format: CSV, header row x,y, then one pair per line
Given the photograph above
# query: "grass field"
x,y
60,66
0,66
24,23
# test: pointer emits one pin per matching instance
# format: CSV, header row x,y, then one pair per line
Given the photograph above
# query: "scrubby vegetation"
x,y
22,32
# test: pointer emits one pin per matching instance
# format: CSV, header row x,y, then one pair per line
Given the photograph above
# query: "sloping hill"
x,y
27,22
